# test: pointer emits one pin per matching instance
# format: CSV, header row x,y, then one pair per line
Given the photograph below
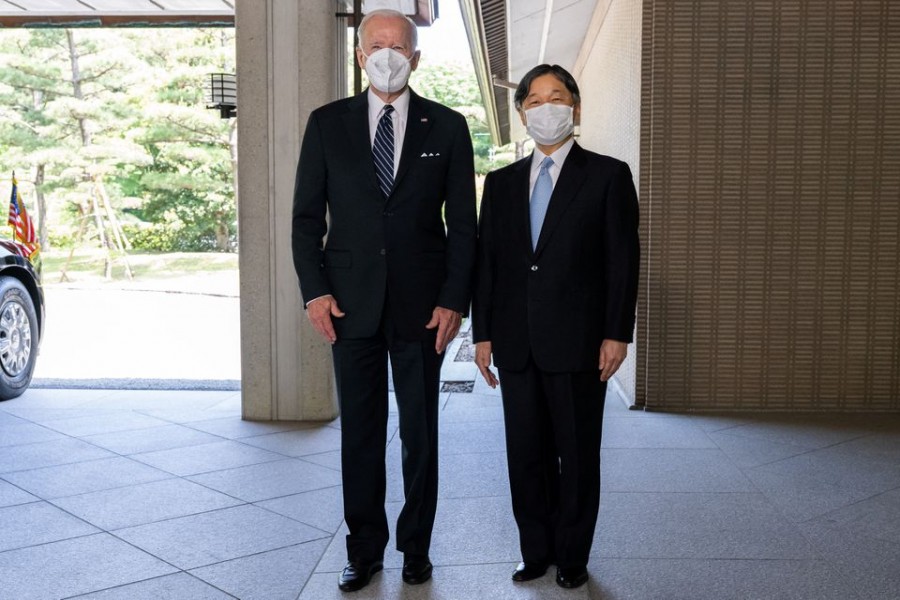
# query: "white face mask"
x,y
550,123
388,70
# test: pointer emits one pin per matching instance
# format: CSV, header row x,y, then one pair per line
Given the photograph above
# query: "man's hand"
x,y
483,361
612,353
319,313
447,322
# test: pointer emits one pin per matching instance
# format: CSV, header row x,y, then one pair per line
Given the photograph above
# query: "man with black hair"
x,y
554,305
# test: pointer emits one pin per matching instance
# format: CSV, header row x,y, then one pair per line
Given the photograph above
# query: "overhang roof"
x,y
116,13
509,37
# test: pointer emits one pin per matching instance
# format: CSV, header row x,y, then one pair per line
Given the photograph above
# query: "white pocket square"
x,y
430,154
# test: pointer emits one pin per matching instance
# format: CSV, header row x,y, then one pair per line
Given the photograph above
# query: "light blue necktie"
x,y
383,151
540,199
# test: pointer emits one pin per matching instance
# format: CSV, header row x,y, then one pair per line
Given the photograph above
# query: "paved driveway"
x,y
185,329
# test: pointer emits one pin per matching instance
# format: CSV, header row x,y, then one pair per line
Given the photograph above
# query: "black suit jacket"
x,y
397,247
579,286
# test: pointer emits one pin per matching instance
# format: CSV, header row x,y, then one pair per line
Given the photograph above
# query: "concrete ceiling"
x,y
546,31
33,13
509,37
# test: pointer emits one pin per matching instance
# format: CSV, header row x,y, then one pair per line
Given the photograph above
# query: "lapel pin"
x,y
424,119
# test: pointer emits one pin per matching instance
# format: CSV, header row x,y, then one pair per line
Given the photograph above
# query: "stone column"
x,y
285,69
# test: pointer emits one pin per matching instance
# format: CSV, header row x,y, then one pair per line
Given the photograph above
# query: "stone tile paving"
x,y
168,494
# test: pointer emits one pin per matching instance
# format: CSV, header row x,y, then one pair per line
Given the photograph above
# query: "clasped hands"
x,y
321,311
612,354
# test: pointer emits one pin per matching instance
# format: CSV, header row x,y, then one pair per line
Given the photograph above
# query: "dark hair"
x,y
557,71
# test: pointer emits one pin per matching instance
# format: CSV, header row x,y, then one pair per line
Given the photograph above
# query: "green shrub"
x,y
60,239
159,237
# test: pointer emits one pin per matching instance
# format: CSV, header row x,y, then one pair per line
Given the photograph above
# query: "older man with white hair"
x,y
391,281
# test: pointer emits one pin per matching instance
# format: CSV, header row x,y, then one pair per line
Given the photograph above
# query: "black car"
x,y
21,318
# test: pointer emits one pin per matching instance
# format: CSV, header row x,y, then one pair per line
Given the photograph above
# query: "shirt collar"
x,y
559,156
400,104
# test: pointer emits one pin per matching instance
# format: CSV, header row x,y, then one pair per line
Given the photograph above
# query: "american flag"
x,y
23,226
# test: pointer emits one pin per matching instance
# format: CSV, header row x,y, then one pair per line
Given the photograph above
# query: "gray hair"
x,y
387,12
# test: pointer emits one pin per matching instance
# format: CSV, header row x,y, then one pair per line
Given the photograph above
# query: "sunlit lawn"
x,y
87,265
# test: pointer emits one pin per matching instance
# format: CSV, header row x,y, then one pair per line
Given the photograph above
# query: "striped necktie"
x,y
383,151
540,200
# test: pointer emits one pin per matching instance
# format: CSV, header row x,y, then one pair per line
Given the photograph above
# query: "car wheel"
x,y
18,338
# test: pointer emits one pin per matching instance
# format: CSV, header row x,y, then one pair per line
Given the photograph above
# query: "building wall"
x,y
770,199
610,85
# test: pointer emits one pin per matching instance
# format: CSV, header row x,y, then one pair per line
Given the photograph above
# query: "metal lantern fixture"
x,y
223,94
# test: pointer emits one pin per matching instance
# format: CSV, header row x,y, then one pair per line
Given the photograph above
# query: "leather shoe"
x,y
527,571
571,577
356,575
416,568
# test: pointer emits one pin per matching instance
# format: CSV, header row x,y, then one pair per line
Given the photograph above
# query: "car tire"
x,y
19,338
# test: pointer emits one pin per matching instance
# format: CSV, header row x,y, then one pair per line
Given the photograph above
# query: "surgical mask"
x,y
388,70
550,123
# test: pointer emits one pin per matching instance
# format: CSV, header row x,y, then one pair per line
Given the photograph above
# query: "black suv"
x,y
21,318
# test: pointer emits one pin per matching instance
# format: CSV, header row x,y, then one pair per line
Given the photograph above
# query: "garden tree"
x,y
28,137
450,83
79,103
117,118
188,190
99,160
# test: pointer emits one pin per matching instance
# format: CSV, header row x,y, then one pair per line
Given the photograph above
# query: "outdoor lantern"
x,y
223,94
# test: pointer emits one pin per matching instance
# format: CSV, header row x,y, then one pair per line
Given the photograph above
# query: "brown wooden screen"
x,y
770,205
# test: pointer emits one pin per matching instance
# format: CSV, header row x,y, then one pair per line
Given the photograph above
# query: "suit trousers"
x,y
554,422
361,375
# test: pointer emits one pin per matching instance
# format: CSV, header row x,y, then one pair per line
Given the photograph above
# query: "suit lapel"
x,y
570,179
356,122
418,123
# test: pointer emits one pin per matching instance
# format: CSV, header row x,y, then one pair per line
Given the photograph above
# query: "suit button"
x,y
534,267
383,252
388,214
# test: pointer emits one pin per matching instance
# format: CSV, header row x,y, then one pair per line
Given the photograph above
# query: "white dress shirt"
x,y
559,157
401,112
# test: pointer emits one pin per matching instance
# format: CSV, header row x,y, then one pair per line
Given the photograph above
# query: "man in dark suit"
x,y
554,302
391,281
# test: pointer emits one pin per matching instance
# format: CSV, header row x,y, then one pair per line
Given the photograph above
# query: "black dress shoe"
x,y
356,575
416,568
527,571
571,577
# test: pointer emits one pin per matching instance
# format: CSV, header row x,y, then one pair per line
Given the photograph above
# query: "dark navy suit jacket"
x,y
399,247
559,301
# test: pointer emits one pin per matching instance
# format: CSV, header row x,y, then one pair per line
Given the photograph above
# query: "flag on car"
x,y
23,226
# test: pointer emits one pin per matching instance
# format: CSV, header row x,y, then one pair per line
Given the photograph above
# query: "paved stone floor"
x,y
169,494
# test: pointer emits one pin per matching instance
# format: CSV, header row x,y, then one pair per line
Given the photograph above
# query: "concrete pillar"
x,y
285,69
